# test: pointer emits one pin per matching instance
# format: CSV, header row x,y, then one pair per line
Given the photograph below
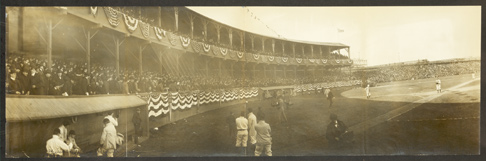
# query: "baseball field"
x,y
400,118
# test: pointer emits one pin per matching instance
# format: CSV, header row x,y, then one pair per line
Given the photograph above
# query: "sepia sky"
x,y
380,35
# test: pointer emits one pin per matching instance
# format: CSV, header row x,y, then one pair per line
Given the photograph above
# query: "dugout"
x,y
30,120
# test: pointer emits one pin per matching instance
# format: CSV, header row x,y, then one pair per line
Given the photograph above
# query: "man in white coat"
x,y
108,139
56,146
252,121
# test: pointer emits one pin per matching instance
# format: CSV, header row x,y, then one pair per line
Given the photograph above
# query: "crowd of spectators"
x,y
422,71
30,76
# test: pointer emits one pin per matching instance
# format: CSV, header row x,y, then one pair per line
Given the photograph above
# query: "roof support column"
x,y
263,44
176,15
218,29
242,41
273,45
320,51
205,26
191,20
140,51
312,51
160,17
293,49
117,53
252,38
283,48
230,32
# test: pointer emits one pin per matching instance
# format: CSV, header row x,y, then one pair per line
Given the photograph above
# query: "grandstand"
x,y
105,53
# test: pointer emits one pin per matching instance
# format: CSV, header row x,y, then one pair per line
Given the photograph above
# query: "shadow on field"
x,y
419,131
431,128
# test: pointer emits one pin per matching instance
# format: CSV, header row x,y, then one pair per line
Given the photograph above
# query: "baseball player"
x,y
437,85
368,93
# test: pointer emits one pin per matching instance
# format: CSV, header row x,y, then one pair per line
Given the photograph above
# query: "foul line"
x,y
442,119
401,110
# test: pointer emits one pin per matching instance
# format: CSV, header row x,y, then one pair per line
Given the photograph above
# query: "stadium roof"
x,y
24,108
281,39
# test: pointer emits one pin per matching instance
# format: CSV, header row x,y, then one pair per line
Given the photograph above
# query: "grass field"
x,y
401,118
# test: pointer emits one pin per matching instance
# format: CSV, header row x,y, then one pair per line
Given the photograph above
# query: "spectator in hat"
x,y
13,84
37,83
59,83
25,81
49,84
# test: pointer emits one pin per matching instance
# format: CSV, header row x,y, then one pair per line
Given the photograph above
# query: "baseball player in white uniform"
x,y
368,93
437,85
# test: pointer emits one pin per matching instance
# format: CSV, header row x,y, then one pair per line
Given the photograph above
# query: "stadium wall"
x,y
28,137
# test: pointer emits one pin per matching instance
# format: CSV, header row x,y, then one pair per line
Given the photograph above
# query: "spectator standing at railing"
x,y
13,84
49,84
37,84
59,83
68,87
25,81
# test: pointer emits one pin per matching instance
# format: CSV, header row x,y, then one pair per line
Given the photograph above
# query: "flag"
x,y
340,30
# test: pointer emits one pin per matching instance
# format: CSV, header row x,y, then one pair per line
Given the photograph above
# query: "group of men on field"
x,y
257,132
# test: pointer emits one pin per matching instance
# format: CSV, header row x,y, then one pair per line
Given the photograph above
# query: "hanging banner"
x,y
216,50
172,39
159,33
271,58
94,11
240,54
185,41
299,60
206,47
158,105
285,59
196,46
256,56
224,51
145,29
132,23
112,15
